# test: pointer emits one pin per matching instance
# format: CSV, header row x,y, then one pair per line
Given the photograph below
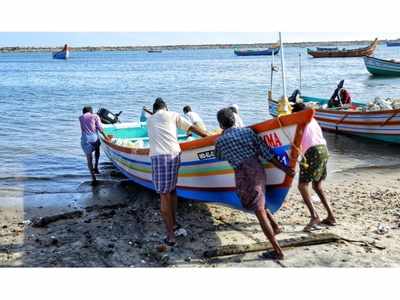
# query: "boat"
x,y
327,48
154,51
251,52
382,125
201,176
63,54
382,67
393,44
365,51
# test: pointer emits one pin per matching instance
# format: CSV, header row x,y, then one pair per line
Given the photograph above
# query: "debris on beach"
x,y
382,229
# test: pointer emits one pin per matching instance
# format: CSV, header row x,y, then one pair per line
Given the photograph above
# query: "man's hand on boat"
x,y
198,131
289,171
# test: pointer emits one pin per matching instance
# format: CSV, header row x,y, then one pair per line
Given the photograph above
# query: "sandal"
x,y
312,227
271,255
328,222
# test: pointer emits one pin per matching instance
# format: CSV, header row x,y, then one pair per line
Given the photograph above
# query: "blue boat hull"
x,y
61,55
274,198
393,44
268,51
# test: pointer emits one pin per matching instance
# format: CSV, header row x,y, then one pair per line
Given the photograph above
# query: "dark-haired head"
x,y
187,109
233,109
298,107
225,117
87,109
159,104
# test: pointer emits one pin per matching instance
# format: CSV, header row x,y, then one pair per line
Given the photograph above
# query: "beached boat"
x,y
366,51
382,125
393,44
382,67
201,176
250,52
63,54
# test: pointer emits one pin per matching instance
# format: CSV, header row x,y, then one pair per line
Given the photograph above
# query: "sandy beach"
x,y
117,224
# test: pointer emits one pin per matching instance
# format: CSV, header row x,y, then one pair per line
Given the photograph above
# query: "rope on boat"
x,y
303,161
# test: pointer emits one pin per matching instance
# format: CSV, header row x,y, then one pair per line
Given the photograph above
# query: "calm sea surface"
x,y
41,100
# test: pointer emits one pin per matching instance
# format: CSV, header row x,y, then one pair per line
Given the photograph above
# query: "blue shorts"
x,y
88,147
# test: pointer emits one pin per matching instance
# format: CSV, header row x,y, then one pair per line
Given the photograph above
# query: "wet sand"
x,y
119,225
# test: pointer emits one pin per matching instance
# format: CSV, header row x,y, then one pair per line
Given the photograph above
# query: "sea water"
x,y
42,98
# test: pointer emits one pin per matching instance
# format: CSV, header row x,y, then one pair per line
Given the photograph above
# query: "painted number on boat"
x,y
272,140
206,155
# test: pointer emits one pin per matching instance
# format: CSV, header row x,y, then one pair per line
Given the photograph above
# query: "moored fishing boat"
x,y
250,52
382,125
63,54
382,67
201,176
393,44
365,51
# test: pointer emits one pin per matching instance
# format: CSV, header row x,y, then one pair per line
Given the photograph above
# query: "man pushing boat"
x,y
165,153
90,126
241,147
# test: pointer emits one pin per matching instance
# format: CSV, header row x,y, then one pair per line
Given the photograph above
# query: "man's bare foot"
x,y
277,230
313,225
330,221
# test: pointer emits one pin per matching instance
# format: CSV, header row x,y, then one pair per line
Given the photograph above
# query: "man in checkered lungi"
x,y
165,159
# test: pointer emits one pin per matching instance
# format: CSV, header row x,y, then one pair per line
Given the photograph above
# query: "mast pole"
x,y
283,66
272,76
300,72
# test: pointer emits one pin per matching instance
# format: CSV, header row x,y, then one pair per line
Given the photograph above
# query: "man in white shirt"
x,y
193,117
165,159
238,120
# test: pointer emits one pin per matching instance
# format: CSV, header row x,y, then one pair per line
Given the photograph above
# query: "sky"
x,y
81,39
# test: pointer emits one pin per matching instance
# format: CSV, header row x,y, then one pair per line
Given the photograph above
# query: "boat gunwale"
x,y
367,57
267,125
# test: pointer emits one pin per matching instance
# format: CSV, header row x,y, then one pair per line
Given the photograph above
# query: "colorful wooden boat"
x,y
201,176
63,54
393,44
366,51
383,125
250,52
382,67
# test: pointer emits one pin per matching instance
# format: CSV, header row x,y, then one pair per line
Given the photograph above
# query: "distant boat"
x,y
250,52
154,51
365,51
393,44
327,48
382,67
63,54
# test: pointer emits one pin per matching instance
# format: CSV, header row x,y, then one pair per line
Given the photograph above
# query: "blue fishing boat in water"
x,y
63,54
393,44
250,52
